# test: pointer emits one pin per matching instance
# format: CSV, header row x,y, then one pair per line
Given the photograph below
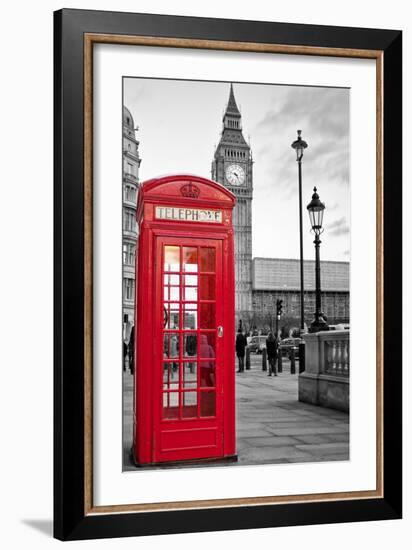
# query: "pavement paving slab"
x,y
302,431
314,439
254,455
272,425
271,441
323,448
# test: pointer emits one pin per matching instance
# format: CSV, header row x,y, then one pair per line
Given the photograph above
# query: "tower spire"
x,y
232,108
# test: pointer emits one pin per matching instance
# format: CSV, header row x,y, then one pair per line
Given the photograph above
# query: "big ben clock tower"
x,y
232,166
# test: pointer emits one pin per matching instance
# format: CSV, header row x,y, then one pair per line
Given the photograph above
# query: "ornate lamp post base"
x,y
318,324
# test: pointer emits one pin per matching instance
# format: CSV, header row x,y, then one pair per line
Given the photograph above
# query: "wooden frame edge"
x,y
88,276
206,44
89,40
379,274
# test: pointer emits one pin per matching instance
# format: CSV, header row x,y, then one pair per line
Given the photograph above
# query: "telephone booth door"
x,y
188,403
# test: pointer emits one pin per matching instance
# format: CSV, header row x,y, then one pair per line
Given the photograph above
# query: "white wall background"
x,y
26,273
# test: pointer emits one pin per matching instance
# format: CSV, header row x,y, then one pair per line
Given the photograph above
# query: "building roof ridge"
x,y
298,260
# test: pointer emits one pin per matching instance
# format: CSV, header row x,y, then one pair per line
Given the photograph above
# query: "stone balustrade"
x,y
325,381
336,353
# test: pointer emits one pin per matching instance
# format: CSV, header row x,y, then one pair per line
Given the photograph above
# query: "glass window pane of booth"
x,y
171,316
190,259
190,344
190,293
207,287
170,376
189,404
190,375
207,315
172,258
207,374
190,317
170,405
171,344
207,403
207,259
207,345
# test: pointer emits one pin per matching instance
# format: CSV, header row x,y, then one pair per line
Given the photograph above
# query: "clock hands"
x,y
235,177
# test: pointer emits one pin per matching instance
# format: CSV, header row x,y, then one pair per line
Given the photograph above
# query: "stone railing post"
x,y
264,359
292,361
325,381
247,358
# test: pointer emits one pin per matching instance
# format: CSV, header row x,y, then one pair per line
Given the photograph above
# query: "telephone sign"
x,y
188,214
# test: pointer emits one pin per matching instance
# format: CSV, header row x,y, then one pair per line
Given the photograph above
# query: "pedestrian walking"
x,y
272,345
131,351
124,355
174,352
241,344
207,369
191,350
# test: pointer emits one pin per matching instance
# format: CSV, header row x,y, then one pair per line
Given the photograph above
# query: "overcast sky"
x,y
179,127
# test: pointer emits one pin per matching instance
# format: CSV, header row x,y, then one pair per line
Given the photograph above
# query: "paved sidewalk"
x,y
272,425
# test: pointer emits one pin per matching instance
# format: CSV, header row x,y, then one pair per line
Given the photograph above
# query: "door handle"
x,y
220,331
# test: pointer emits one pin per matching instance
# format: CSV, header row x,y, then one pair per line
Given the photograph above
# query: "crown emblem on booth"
x,y
190,190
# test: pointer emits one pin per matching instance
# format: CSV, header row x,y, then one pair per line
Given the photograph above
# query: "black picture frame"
x,y
71,521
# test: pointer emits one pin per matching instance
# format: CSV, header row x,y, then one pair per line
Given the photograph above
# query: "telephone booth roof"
x,y
179,188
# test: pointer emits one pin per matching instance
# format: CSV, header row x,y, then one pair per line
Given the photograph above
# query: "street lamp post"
x,y
316,209
300,145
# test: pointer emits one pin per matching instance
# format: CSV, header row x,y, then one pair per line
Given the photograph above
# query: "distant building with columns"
x,y
278,278
131,163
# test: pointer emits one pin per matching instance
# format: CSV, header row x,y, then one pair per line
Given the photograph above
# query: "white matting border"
x,y
111,485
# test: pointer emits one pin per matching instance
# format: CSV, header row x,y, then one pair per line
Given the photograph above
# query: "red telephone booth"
x,y
184,382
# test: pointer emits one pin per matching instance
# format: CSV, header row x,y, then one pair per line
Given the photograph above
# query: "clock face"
x,y
235,174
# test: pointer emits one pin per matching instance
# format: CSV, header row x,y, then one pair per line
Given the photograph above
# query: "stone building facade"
x,y
232,166
131,163
278,278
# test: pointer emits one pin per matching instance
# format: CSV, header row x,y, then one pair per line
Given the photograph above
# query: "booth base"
x,y
177,463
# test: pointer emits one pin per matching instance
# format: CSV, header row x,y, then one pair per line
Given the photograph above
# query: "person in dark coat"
x,y
272,351
124,355
191,349
131,351
241,344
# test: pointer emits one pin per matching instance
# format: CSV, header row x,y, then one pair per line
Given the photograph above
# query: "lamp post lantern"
x,y
300,145
316,209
